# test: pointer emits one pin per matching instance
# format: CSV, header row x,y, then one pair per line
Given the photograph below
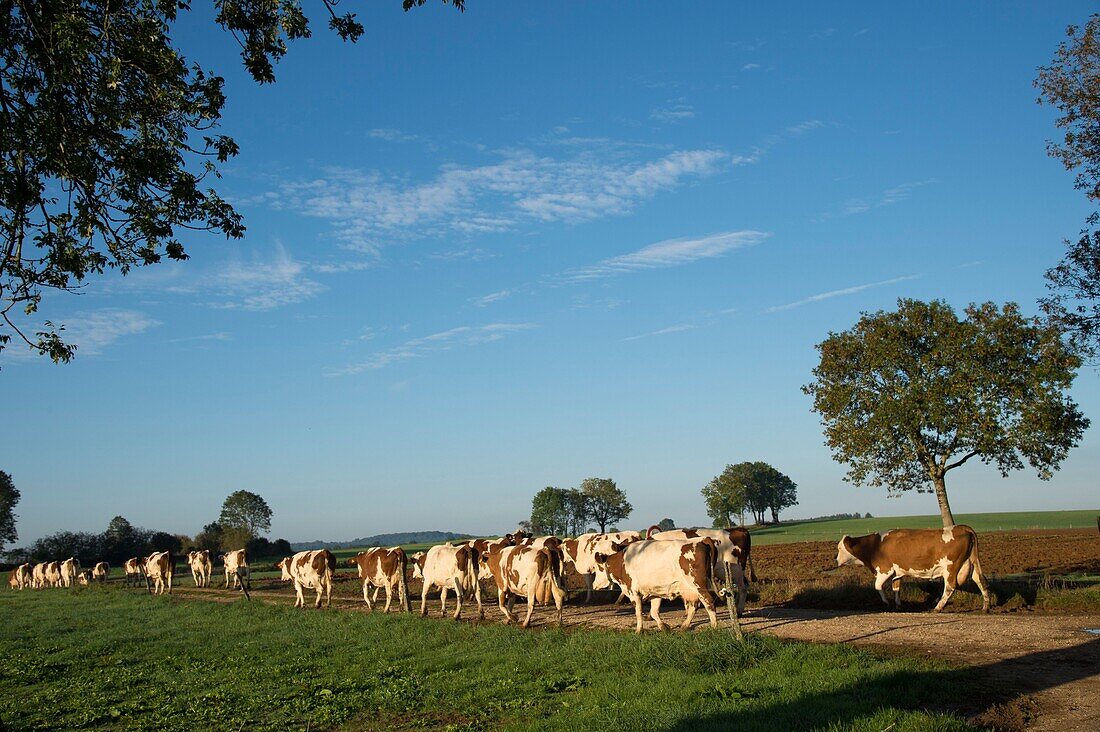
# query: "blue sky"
x,y
534,243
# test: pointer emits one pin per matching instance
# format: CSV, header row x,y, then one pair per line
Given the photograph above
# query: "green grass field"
x,y
107,658
832,530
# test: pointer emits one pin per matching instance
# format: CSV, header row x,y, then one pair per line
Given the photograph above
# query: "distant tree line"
x,y
753,487
244,518
570,511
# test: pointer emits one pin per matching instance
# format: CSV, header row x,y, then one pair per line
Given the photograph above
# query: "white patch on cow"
x,y
884,534
939,569
948,534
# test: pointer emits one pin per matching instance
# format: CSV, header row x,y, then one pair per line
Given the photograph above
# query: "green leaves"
x,y
752,485
906,396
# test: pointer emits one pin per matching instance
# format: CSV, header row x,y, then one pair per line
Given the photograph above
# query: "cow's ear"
x,y
601,558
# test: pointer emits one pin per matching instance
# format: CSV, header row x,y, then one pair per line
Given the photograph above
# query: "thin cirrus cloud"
x,y
673,112
757,152
663,331
462,336
93,332
888,197
491,298
838,293
664,254
368,209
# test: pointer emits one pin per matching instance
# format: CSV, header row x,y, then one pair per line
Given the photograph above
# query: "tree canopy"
x,y
908,395
605,501
108,143
756,486
559,511
9,496
1071,84
245,512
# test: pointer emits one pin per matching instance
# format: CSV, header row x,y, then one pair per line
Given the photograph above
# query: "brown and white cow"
x,y
38,576
734,547
525,570
448,567
201,567
133,569
13,579
70,570
85,577
101,571
24,576
951,553
234,561
581,553
311,570
159,569
656,570
383,568
53,574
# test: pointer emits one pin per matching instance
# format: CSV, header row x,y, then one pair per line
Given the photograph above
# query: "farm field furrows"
x,y
833,529
107,657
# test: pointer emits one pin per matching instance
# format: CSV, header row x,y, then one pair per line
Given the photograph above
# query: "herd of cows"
x,y
696,566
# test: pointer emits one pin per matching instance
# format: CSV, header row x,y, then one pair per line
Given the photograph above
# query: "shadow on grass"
x,y
1001,696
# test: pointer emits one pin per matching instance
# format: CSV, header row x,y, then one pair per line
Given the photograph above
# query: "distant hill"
x,y
405,537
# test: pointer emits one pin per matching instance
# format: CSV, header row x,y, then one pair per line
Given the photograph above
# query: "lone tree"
x,y
907,396
560,511
247,513
9,496
666,524
725,497
606,503
108,141
1071,84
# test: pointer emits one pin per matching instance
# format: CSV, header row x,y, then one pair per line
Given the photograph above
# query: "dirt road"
x,y
1039,672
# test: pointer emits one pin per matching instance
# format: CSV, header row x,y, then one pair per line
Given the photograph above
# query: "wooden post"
x,y
731,605
242,581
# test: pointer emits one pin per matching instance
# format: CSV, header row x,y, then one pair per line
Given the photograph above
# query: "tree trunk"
x,y
941,496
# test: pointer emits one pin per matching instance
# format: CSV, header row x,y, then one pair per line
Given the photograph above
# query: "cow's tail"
x,y
557,573
710,560
402,584
970,564
651,531
330,563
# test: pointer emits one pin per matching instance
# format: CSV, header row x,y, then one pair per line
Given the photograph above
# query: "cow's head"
x,y
84,577
284,567
418,564
844,554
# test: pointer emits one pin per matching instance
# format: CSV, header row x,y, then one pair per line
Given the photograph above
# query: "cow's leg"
x,y
389,596
226,578
588,579
530,606
655,613
560,595
689,608
366,596
170,583
897,592
501,596
458,599
948,591
300,599
424,599
638,612
477,596
708,604
979,580
880,584
622,596
443,600
377,589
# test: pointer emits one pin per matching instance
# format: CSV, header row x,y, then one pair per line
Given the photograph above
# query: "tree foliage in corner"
x,y
9,496
245,512
909,395
107,142
1071,84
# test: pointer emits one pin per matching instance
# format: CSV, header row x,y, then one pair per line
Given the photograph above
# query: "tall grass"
x,y
102,657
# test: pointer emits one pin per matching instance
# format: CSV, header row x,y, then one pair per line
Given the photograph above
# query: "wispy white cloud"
x,y
674,111
663,331
756,153
92,332
369,210
668,253
491,298
462,336
261,283
391,135
221,335
750,67
838,293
